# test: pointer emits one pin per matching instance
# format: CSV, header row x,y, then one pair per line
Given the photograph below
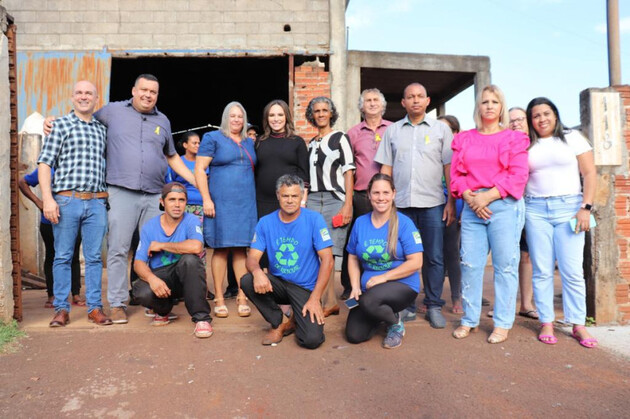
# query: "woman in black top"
x,y
279,152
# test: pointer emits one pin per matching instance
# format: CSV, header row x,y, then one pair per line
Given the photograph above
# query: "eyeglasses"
x,y
517,120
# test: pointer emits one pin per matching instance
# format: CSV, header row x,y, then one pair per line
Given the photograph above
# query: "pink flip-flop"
x,y
587,342
547,339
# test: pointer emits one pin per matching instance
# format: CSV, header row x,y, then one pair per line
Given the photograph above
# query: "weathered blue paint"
x,y
45,80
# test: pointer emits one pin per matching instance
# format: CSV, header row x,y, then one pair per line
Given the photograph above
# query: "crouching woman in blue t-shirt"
x,y
387,247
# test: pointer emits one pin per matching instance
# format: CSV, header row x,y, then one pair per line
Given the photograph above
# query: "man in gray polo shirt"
x,y
139,149
416,152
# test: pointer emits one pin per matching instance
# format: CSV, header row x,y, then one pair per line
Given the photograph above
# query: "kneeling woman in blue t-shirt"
x,y
387,247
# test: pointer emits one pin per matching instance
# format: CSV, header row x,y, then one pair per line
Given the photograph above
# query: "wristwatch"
x,y
587,207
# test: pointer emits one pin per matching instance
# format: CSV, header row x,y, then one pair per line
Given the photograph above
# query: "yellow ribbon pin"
x,y
426,139
157,130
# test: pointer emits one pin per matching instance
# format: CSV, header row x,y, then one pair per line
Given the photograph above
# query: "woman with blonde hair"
x,y
229,199
489,171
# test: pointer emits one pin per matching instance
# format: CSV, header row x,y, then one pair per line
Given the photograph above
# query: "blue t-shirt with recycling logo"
x,y
369,245
292,247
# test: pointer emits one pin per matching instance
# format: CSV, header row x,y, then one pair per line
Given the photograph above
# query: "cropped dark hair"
x,y
334,115
289,180
452,122
558,130
146,76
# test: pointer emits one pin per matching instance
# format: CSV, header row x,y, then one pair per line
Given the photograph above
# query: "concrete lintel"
x,y
422,62
215,53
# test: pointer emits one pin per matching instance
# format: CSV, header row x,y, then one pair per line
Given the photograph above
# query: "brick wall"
x,y
311,80
622,211
242,25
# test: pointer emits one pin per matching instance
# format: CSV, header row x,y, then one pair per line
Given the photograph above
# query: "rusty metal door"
x,y
45,80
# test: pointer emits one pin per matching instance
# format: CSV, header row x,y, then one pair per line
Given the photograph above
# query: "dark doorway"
x,y
194,91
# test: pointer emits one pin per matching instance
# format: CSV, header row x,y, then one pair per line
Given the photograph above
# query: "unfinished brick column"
x,y
608,270
622,212
311,80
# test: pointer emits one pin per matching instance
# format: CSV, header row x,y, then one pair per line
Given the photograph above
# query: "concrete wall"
x,y
6,263
245,25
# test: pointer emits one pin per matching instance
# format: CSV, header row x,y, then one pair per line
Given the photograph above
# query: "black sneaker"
x,y
132,299
345,295
230,293
209,295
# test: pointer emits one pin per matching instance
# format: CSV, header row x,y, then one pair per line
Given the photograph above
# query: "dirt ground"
x,y
136,370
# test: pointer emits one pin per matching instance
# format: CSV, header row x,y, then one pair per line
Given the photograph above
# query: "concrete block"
x,y
39,41
321,5
259,5
24,5
216,5
25,16
138,27
132,5
164,40
211,16
258,40
232,41
187,41
294,5
210,41
60,5
106,5
174,5
239,16
118,41
246,28
56,28
132,16
271,27
94,41
47,16
281,40
222,28
186,16
162,16
139,41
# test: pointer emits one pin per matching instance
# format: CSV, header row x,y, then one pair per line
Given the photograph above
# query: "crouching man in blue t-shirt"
x,y
299,249
168,262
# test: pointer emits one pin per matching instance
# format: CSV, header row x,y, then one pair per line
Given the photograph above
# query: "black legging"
x,y
378,304
75,268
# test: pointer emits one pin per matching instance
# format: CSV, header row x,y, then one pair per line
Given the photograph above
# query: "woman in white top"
x,y
553,197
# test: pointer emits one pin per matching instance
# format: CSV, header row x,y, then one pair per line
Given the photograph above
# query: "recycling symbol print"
x,y
376,256
286,255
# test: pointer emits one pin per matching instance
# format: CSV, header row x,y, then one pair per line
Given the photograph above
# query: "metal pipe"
x,y
614,61
196,128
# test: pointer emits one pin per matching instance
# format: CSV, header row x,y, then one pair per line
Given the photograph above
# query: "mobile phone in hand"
x,y
352,303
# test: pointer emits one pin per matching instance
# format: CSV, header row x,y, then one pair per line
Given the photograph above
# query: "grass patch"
x,y
8,333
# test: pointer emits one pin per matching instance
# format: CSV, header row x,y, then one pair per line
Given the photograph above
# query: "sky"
x,y
552,48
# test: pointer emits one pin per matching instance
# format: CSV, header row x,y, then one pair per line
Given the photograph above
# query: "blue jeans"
x,y
431,227
88,216
550,238
500,234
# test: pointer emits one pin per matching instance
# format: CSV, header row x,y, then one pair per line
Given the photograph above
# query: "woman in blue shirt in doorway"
x,y
385,256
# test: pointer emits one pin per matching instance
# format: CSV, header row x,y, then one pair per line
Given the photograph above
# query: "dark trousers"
x,y
49,244
378,304
429,223
309,335
451,259
360,205
185,278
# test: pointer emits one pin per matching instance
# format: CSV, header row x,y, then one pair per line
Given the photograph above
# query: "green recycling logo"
x,y
286,255
376,256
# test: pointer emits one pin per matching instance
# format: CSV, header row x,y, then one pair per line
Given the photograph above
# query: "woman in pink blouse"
x,y
489,171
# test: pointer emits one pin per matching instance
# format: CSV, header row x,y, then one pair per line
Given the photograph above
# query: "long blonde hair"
x,y
392,229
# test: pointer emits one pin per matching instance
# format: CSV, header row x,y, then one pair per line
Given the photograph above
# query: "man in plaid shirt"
x,y
76,200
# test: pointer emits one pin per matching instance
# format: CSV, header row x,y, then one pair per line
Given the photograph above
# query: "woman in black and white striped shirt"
x,y
331,165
